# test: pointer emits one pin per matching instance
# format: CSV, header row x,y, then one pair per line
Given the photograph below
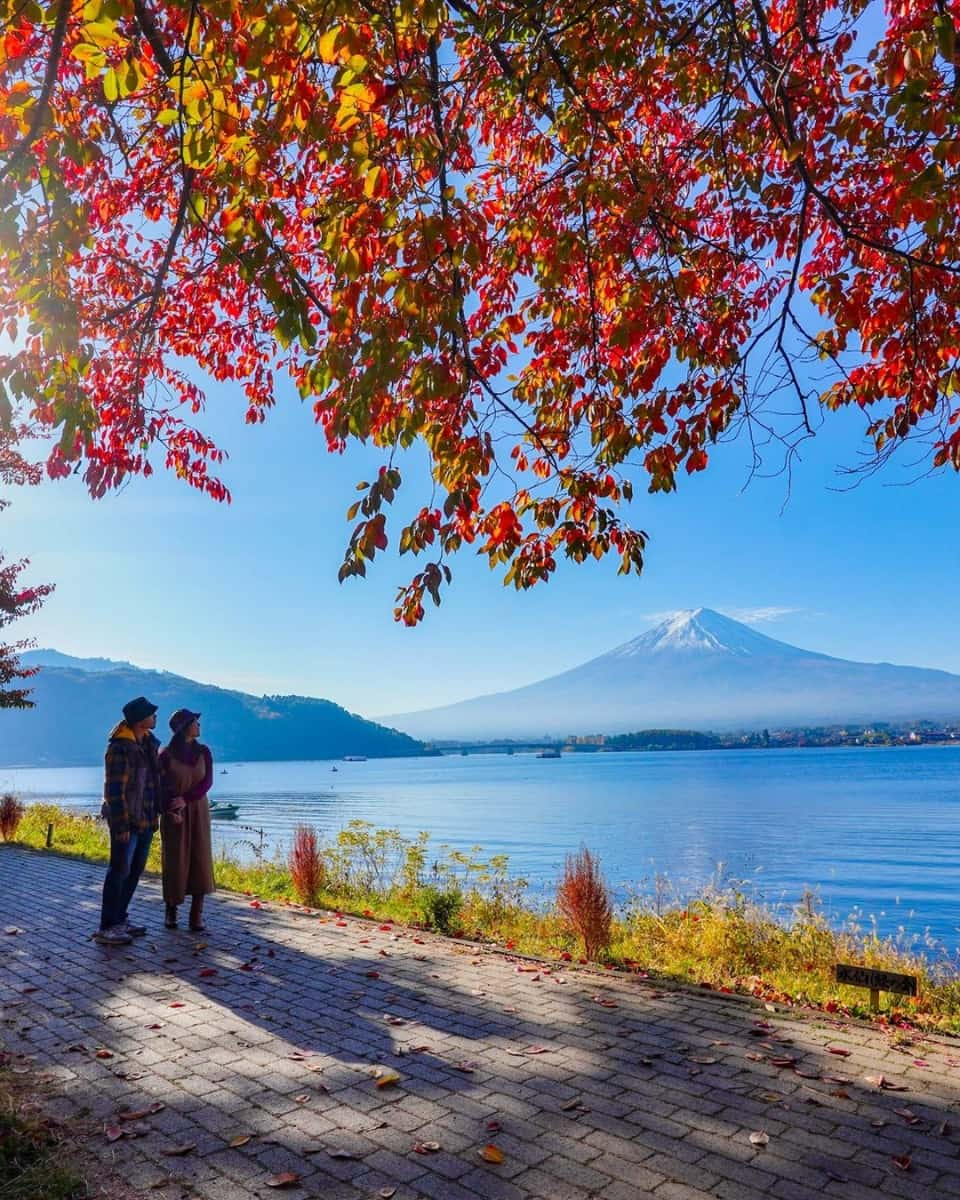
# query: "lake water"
x,y
874,832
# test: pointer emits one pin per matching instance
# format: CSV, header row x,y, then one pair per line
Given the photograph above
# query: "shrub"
x,y
441,908
11,814
584,902
307,871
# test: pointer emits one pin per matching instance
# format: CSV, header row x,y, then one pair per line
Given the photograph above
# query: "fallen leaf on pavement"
x,y
179,1151
703,1059
139,1114
491,1153
388,1080
284,1179
426,1147
901,1162
908,1115
759,1138
207,972
840,1051
386,1193
12,930
240,1140
113,1132
342,1154
104,1054
466,1067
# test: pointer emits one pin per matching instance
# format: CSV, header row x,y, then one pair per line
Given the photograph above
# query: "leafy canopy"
x,y
16,601
564,246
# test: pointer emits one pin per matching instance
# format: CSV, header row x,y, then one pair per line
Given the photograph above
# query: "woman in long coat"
x,y
187,771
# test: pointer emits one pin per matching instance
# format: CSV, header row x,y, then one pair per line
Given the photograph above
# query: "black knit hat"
x,y
135,711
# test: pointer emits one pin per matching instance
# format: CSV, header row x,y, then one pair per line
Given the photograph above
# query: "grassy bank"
x,y
720,938
31,1147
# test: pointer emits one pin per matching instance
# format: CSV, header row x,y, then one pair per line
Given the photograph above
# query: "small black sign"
x,y
876,981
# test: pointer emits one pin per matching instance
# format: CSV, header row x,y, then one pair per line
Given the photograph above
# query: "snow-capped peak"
x,y
705,631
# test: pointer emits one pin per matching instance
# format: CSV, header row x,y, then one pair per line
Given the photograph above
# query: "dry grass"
x,y
306,865
583,900
11,814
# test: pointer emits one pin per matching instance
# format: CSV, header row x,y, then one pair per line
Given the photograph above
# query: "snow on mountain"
x,y
697,670
702,629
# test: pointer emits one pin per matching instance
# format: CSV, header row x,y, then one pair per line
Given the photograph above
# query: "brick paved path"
x,y
278,1024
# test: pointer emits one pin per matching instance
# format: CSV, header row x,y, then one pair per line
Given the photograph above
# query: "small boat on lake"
x,y
354,758
549,753
221,811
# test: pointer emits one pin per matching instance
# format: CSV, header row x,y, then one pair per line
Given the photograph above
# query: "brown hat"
x,y
183,718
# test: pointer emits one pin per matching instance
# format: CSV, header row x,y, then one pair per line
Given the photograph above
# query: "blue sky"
x,y
246,595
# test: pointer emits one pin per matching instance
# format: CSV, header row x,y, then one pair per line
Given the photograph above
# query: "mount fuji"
x,y
700,670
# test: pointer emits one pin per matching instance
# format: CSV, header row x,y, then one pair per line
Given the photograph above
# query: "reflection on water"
x,y
871,829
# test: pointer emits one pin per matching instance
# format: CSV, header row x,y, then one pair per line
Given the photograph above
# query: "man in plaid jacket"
x,y
131,806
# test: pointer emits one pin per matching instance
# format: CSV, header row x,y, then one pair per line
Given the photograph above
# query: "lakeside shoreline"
x,y
567,749
719,939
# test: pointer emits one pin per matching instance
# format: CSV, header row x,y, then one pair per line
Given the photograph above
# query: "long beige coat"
x,y
186,852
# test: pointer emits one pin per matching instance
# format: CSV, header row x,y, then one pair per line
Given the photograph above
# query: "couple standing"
x,y
146,787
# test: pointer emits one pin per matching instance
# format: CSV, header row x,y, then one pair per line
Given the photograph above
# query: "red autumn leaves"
x,y
549,265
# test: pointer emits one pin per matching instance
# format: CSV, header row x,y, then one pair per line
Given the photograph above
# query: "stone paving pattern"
x,y
279,1024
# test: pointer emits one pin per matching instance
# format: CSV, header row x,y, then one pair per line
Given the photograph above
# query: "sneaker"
x,y
113,937
135,930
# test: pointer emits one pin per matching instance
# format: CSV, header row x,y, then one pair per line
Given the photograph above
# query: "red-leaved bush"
x,y
307,870
11,813
584,902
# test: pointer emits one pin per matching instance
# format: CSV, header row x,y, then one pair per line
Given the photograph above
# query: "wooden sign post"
x,y
876,981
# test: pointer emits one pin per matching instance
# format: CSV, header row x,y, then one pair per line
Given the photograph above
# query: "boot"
x,y
170,919
196,915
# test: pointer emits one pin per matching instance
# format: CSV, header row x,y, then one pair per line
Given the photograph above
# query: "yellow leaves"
x,y
91,56
102,32
348,262
370,182
122,81
327,45
355,98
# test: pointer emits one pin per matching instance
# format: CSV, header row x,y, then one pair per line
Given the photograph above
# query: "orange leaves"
x,y
476,262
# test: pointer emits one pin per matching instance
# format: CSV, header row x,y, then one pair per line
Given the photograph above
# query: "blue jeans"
x,y
127,860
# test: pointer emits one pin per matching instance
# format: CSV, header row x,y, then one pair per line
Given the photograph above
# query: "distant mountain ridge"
x,y
77,704
697,670
46,657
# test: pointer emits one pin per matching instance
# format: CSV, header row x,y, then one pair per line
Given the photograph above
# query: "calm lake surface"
x,y
876,833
